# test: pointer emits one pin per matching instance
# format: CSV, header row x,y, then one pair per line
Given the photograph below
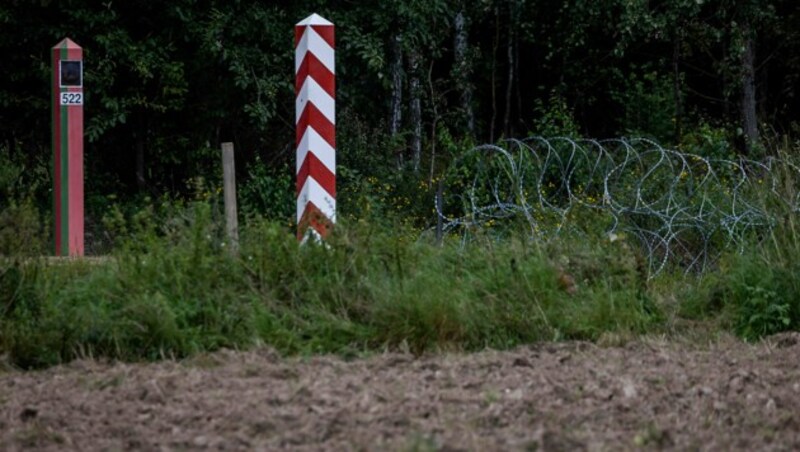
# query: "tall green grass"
x,y
173,291
756,292
172,287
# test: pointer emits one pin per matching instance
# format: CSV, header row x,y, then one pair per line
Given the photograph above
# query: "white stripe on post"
x,y
315,119
313,193
312,92
324,151
322,50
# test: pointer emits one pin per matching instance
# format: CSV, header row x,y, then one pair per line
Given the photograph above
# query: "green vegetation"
x,y
172,288
756,293
419,84
175,292
167,81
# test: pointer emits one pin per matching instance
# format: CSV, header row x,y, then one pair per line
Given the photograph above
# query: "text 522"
x,y
71,98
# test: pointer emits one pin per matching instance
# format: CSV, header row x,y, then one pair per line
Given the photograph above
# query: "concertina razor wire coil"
x,y
681,207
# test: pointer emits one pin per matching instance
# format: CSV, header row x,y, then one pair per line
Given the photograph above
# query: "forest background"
x,y
419,81
419,85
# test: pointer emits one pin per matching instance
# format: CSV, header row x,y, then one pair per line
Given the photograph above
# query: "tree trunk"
x,y
416,109
724,88
397,96
495,44
10,145
463,67
510,77
141,131
748,101
517,77
140,181
677,88
434,122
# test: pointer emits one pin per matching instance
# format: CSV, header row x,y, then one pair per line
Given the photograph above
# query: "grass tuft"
x,y
176,291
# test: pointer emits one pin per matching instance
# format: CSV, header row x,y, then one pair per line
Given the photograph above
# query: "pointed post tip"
x,y
314,19
67,43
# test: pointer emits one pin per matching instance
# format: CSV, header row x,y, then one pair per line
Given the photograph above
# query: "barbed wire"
x,y
681,207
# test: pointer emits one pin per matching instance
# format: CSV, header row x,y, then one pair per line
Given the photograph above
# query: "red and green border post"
x,y
67,109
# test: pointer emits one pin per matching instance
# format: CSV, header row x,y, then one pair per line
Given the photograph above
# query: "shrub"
x,y
21,231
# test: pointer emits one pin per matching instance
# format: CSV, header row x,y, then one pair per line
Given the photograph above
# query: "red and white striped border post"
x,y
315,117
67,109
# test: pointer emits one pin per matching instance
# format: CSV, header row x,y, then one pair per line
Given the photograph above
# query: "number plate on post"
x,y
71,98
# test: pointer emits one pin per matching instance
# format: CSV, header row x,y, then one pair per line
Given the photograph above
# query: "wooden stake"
x,y
229,188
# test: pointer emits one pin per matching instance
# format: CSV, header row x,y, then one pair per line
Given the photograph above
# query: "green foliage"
x,y
369,189
170,80
757,293
172,289
762,313
754,298
174,296
21,231
554,119
175,290
648,102
268,193
760,290
24,179
709,141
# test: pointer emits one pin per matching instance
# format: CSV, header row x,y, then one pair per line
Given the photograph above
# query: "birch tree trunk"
x,y
397,96
463,67
416,109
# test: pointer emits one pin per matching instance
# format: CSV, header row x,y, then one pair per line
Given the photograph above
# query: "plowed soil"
x,y
570,396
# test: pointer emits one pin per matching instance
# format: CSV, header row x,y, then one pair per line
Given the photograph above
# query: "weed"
x,y
421,443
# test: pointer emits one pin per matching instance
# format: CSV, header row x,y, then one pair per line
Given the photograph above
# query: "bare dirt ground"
x,y
570,396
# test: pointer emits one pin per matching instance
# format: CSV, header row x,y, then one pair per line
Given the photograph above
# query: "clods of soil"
x,y
568,396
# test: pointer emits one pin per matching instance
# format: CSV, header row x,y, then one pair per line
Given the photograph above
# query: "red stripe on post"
x,y
324,77
313,218
298,35
310,217
327,33
324,177
75,155
314,118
